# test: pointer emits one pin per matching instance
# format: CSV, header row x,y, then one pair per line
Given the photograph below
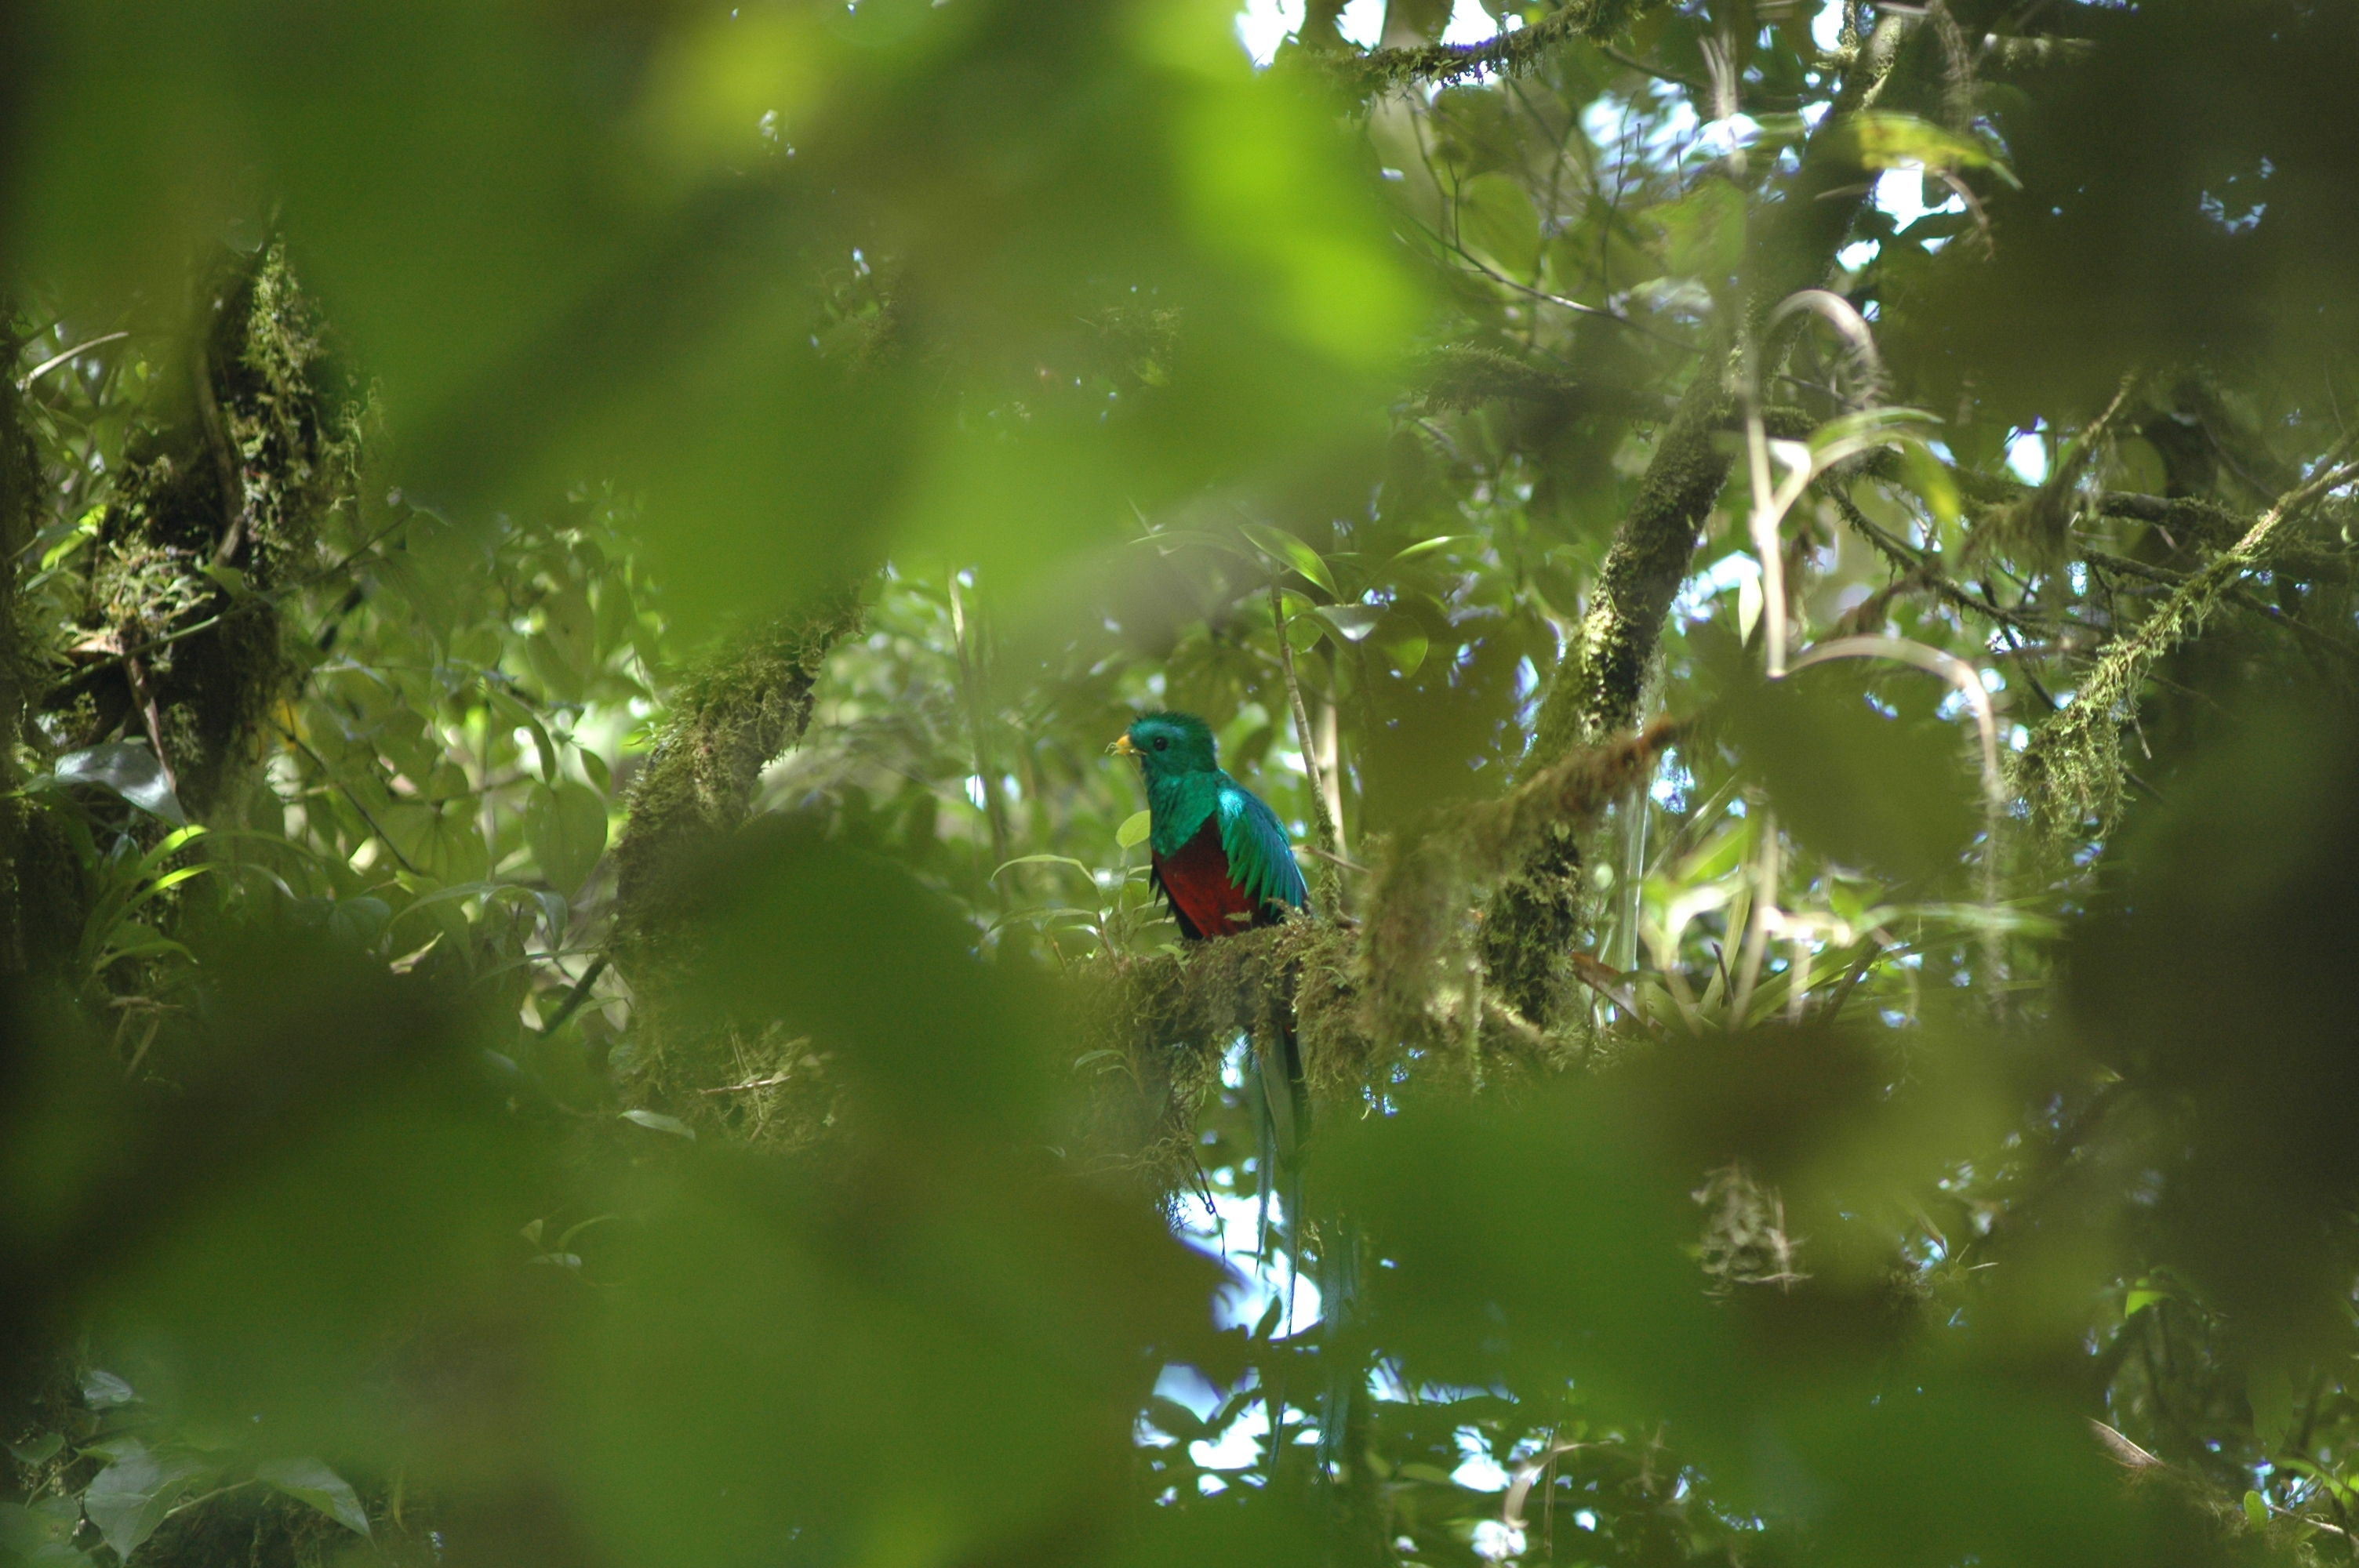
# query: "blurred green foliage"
x,y
579,986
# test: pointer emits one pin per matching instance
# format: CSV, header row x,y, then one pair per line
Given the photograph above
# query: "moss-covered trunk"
x,y
217,510
730,718
1538,911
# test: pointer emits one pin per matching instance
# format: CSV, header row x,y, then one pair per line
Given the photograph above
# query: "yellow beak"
x,y
1122,746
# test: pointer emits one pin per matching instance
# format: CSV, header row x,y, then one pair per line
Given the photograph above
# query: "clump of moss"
x,y
1507,54
1527,845
1357,999
219,503
2072,772
732,716
1157,1025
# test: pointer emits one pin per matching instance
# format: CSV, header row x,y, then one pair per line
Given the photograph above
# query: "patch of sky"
x,y
1671,786
1239,1446
1477,1471
1605,120
1495,1540
1229,1228
2027,455
1826,27
1263,25
1732,570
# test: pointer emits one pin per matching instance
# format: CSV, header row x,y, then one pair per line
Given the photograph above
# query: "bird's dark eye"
x,y
1163,743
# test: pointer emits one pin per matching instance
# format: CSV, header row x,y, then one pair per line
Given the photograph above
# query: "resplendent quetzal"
x,y
1220,855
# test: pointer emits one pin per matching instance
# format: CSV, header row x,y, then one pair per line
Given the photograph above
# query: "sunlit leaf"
x,y
307,1480
127,768
657,1121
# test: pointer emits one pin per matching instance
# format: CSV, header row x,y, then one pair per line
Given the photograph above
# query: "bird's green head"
x,y
1167,744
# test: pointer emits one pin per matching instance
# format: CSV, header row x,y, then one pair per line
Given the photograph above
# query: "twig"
x,y
1919,568
145,695
2091,726
1304,739
54,360
233,490
1700,89
345,790
575,997
1614,986
769,1083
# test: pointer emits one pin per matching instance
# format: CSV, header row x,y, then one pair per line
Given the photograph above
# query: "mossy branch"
x,y
1421,894
732,716
243,470
1537,913
2071,770
1507,54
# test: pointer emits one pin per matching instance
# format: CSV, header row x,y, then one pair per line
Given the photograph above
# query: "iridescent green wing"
x,y
1261,856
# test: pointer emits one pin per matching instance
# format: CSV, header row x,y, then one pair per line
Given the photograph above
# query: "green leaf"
x,y
573,628
103,1390
1046,860
516,715
126,769
657,1121
130,1497
1881,139
1496,217
1703,231
39,1451
1439,543
1352,623
307,1480
2256,1511
565,825
1133,829
1177,1419
1285,550
1407,652
2269,1389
